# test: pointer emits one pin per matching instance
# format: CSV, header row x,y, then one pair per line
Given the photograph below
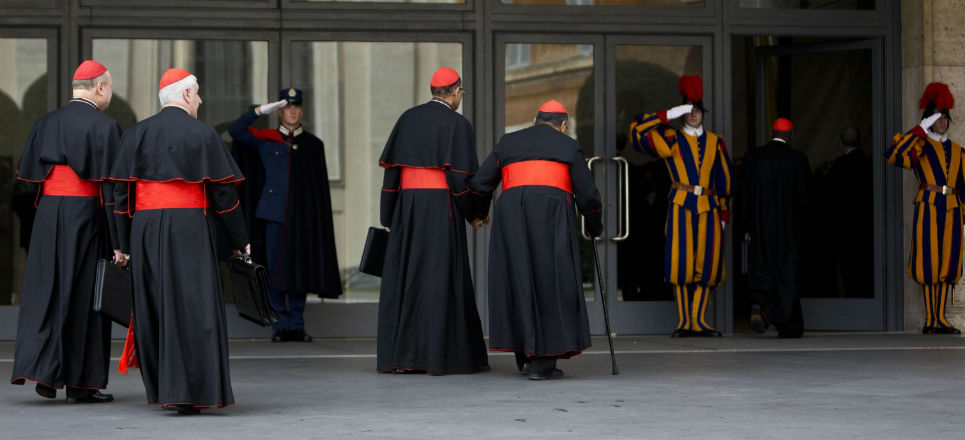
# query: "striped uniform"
x,y
936,245
694,257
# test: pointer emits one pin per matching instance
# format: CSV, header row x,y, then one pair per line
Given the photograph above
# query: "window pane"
x,y
353,94
808,4
232,75
646,82
536,73
381,1
23,99
653,3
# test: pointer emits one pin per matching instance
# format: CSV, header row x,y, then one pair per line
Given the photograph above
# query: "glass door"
x,y
827,88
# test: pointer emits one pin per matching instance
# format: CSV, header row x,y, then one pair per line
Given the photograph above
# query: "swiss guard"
x,y
175,177
700,167
936,243
61,341
287,192
428,321
536,304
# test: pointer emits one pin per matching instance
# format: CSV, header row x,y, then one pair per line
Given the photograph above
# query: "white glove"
x,y
929,121
679,111
266,109
723,225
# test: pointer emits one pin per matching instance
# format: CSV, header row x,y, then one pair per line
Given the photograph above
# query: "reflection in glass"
x,y
23,99
808,4
354,92
536,73
232,75
656,3
646,82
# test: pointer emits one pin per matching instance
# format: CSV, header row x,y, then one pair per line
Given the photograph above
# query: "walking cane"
x,y
606,311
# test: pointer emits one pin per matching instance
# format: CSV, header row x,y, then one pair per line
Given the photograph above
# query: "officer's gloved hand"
x,y
929,121
679,111
267,109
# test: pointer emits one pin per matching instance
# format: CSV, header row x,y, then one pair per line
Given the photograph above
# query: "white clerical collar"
x,y
85,101
285,131
178,106
937,137
694,131
779,140
442,102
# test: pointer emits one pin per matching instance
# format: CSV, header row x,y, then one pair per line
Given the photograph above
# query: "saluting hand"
x,y
679,111
271,107
929,121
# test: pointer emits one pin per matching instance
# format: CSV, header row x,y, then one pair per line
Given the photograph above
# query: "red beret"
x,y
444,77
89,69
782,124
691,87
937,93
552,106
172,76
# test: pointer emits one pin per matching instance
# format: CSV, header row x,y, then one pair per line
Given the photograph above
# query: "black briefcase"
x,y
250,283
373,256
112,292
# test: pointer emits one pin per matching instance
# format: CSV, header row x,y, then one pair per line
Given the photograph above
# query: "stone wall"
x,y
932,49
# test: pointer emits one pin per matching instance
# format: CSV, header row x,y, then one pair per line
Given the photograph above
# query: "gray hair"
x,y
90,83
174,91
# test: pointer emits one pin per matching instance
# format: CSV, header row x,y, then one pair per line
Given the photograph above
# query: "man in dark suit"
x,y
772,199
850,207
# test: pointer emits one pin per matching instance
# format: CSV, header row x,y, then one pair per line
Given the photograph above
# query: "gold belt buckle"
x,y
946,190
698,190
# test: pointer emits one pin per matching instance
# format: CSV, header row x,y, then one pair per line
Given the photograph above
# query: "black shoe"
x,y
279,336
555,374
757,320
926,330
299,336
681,333
947,331
524,370
77,395
708,333
184,410
45,391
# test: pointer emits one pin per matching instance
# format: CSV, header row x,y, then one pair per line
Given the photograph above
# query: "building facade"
x,y
823,63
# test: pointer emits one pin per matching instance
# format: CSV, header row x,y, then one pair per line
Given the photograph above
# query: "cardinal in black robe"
x,y
773,200
536,304
61,341
179,180
428,321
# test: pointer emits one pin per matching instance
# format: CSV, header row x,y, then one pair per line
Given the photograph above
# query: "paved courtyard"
x,y
824,386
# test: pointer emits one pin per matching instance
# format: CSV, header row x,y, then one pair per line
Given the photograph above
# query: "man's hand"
x,y
480,222
929,121
247,250
121,258
267,109
679,111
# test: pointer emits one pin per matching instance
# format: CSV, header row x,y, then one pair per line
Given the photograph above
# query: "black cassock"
x,y
427,310
536,302
307,261
772,201
180,333
60,339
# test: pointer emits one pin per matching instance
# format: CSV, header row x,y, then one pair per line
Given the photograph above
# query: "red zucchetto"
x,y
444,77
172,76
89,69
552,106
782,124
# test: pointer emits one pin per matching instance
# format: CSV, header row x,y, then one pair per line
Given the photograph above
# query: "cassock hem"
x,y
565,354
436,372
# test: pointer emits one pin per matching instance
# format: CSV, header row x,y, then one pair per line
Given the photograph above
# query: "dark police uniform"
x,y
293,209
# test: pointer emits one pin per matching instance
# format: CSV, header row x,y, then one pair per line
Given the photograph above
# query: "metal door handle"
x,y
589,164
625,206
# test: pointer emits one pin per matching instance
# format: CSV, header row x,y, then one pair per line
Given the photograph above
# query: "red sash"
x,y
63,181
165,195
537,172
423,178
